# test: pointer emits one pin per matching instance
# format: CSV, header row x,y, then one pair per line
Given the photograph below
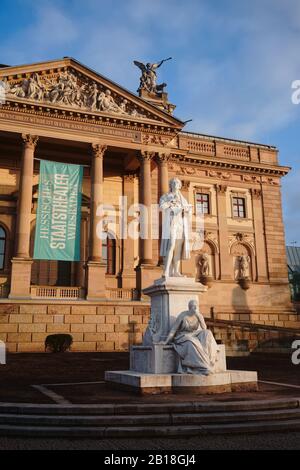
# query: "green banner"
x,y
57,233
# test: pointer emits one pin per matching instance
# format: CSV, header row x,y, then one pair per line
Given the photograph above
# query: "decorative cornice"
x,y
87,117
30,141
232,165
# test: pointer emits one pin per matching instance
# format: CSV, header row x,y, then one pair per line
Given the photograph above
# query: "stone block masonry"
x,y
115,326
94,327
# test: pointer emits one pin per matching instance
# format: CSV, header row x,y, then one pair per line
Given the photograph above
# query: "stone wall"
x,y
101,327
108,326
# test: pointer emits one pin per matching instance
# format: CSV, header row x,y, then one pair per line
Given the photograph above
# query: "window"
x,y
2,247
202,203
109,253
239,207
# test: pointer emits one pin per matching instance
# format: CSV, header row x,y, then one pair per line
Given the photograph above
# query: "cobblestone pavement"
x,y
24,370
266,441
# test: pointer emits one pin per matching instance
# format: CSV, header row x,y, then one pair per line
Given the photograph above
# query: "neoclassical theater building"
x,y
130,146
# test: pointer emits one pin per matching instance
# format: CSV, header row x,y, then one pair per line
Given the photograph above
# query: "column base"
x,y
20,278
128,279
96,280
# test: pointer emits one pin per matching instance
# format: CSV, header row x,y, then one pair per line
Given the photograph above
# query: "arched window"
x,y
109,253
2,247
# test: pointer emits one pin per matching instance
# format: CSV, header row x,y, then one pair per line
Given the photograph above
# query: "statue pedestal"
x,y
163,359
153,366
169,297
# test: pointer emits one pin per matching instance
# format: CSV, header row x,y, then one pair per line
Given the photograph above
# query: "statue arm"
x,y
202,321
174,329
158,64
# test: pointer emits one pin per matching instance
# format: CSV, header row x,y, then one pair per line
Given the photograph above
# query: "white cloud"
x,y
51,30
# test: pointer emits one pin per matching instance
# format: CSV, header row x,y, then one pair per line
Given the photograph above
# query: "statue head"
x,y
175,184
193,306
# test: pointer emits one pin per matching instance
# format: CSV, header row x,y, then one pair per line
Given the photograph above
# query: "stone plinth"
x,y
219,382
20,278
163,359
169,297
154,365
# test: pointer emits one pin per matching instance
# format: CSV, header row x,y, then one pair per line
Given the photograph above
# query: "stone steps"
x,y
137,420
148,431
148,419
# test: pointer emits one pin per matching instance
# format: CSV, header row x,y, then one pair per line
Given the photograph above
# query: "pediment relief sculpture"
x,y
70,89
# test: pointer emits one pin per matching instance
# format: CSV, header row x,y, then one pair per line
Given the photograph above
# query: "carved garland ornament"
x,y
239,237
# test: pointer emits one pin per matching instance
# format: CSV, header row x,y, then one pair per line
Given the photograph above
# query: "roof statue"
x,y
149,89
149,77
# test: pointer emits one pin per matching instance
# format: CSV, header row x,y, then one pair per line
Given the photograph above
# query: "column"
x,y
260,247
128,271
147,272
21,263
96,269
80,265
163,175
225,261
145,159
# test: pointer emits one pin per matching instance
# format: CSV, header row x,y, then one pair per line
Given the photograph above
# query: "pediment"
x,y
67,84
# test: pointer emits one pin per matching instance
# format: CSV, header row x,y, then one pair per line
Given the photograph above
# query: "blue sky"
x,y
233,61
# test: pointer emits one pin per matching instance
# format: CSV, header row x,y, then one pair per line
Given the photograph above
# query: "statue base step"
x,y
219,382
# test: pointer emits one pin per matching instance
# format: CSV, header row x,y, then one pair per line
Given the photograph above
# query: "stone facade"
x,y
62,111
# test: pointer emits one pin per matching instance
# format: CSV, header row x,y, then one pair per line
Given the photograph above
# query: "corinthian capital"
x,y
98,150
221,188
29,140
256,193
163,157
146,156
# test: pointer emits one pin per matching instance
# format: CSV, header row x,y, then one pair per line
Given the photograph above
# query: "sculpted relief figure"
x,y
67,89
175,229
149,76
204,265
244,261
193,342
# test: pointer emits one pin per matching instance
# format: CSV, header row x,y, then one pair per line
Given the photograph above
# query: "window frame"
x,y
203,192
244,198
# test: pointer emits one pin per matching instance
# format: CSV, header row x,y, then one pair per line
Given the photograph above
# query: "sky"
x,y
232,68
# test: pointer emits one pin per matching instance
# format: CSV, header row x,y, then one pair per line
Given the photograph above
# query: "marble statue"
x,y
204,265
244,261
149,77
175,229
193,342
